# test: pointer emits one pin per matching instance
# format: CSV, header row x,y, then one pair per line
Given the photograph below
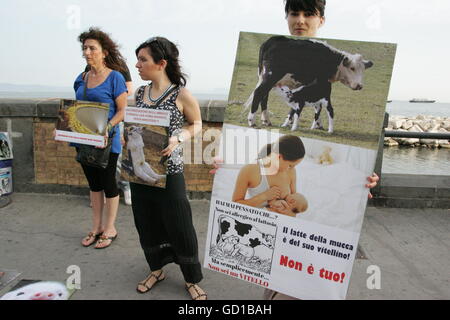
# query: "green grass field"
x,y
358,115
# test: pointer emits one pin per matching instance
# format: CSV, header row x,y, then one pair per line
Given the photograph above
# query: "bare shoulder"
x,y
250,168
186,97
250,172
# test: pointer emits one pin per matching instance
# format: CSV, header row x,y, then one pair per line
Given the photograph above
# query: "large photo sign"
x,y
146,135
82,122
288,203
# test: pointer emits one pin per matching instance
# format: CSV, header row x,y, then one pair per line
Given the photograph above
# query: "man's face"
x,y
302,23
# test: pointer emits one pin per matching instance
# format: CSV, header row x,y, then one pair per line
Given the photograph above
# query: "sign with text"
x,y
146,135
6,182
288,202
82,122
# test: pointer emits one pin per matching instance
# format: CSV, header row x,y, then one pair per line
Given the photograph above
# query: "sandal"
x,y
196,288
143,283
90,236
104,238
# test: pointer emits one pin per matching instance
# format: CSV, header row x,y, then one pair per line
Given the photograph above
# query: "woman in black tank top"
x,y
163,217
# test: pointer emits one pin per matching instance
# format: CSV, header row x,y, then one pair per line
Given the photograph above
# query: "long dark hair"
x,y
114,59
308,6
161,48
289,146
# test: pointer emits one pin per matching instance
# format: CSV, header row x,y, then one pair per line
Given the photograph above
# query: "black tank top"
x,y
175,162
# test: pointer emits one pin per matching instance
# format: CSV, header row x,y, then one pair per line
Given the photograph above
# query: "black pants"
x,y
163,219
103,179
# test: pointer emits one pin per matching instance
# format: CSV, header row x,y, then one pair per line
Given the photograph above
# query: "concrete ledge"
x,y
211,110
410,203
84,190
413,191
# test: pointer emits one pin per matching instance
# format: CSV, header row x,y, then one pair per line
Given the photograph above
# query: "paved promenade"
x,y
40,237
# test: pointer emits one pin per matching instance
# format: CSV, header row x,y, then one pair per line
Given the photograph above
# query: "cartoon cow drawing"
x,y
242,237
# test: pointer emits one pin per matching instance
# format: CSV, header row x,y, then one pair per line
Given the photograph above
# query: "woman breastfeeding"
x,y
273,177
163,216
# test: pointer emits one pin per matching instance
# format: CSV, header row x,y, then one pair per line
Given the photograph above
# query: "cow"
x,y
303,62
240,235
316,95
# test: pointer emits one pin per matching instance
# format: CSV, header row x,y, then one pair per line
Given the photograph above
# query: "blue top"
x,y
106,92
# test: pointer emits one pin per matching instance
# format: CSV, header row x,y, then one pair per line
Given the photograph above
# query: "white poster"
x,y
316,244
299,140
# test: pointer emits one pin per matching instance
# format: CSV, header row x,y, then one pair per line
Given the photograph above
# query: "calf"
x,y
305,61
316,95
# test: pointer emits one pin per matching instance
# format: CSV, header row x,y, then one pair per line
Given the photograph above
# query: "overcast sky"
x,y
39,38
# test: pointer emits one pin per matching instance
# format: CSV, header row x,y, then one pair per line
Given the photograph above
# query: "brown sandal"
x,y
90,236
143,283
104,238
199,295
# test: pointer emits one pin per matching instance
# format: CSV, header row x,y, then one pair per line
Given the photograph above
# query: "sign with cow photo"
x,y
333,90
145,135
288,202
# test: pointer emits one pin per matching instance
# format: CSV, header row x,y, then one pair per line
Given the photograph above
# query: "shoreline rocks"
x,y
420,123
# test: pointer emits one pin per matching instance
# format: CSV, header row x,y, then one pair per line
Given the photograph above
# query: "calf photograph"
x,y
286,83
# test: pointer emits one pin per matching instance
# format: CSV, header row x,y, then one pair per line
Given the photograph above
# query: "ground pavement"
x,y
40,237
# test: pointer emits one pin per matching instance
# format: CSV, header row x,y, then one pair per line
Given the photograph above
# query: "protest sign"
x,y
6,152
146,135
82,122
287,205
6,182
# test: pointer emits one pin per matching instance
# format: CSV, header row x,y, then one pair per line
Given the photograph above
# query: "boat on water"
x,y
421,100
388,101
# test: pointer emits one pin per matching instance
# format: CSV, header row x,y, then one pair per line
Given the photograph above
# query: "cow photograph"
x,y
289,83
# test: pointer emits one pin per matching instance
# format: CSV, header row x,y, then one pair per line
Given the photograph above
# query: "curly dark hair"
x,y
161,48
114,59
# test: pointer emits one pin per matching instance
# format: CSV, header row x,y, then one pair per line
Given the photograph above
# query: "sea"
x,y
405,160
409,160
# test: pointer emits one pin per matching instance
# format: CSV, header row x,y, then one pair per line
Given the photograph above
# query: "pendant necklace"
x,y
154,101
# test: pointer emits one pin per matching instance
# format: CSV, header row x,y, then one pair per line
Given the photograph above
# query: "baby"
x,y
292,205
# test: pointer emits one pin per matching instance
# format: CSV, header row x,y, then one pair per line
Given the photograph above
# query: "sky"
x,y
40,46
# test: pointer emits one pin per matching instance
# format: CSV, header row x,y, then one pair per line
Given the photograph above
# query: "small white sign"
x,y
81,138
147,116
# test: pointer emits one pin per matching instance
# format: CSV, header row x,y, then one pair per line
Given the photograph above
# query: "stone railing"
x,y
419,124
42,164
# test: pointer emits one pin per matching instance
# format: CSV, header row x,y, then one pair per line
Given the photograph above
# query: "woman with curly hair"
x,y
103,83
